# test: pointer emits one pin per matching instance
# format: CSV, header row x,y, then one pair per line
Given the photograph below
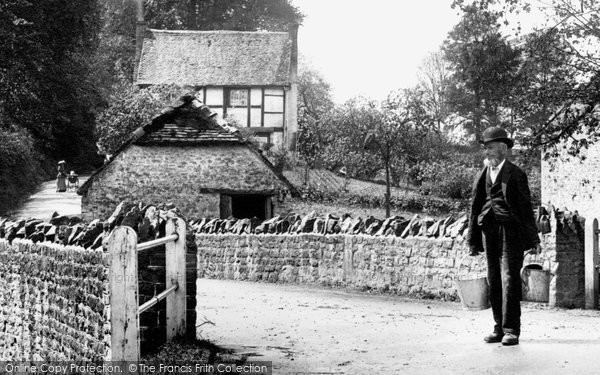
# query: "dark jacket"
x,y
518,198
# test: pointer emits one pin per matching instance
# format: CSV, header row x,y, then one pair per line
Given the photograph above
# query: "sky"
x,y
370,48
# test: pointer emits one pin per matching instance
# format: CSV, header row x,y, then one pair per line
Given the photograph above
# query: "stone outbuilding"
x,y
246,77
190,157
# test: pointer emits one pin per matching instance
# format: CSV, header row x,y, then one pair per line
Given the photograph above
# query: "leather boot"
x,y
510,339
493,337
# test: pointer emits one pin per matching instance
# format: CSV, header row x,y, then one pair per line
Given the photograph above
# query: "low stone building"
x,y
190,157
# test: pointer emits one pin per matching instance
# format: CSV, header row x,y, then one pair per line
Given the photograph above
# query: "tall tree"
x,y
434,78
574,80
484,66
565,61
48,84
315,103
242,15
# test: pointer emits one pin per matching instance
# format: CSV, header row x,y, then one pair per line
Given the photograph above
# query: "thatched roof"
x,y
215,58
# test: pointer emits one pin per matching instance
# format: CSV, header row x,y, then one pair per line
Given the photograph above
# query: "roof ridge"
x,y
215,32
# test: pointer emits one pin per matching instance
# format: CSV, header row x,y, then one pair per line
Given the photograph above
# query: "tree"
x,y
396,132
387,139
129,109
484,67
48,86
434,77
567,52
572,42
242,15
116,49
547,78
314,104
344,131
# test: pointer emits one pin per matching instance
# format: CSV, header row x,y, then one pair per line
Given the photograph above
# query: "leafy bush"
x,y
450,176
20,170
413,203
445,179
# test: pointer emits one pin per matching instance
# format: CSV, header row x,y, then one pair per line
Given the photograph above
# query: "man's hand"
x,y
535,250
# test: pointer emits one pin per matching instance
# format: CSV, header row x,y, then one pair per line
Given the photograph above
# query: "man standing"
x,y
502,223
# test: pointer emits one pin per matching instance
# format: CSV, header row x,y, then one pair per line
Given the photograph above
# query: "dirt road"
x,y
46,201
305,329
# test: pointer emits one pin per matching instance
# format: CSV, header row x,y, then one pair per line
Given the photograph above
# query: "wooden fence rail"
x,y
124,298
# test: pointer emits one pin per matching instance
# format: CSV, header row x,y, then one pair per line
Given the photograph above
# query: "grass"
x,y
303,207
328,182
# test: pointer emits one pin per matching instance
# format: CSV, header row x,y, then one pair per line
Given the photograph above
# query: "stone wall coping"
x,y
319,235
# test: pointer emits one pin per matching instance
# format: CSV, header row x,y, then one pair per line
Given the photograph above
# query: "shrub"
x,y
430,204
20,170
445,179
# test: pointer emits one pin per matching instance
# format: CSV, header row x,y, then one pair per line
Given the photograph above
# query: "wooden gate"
x,y
124,297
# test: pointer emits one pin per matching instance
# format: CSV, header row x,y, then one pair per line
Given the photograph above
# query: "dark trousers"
x,y
504,252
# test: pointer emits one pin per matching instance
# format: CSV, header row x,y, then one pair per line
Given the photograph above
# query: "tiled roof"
x,y
191,123
215,58
187,135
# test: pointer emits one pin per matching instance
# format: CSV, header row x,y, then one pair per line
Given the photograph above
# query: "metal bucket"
x,y
535,281
474,292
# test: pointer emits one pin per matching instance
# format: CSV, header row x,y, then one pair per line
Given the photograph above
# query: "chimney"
x,y
140,30
291,131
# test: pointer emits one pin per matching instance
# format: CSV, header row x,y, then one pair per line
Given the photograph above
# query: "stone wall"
x,y
564,249
54,302
190,177
568,181
416,266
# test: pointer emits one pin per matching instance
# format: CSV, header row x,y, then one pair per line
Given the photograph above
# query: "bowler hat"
x,y
496,134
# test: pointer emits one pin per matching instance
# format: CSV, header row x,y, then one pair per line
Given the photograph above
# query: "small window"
x,y
238,98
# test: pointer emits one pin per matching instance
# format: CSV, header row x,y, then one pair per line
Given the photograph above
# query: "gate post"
x,y
591,261
124,301
175,274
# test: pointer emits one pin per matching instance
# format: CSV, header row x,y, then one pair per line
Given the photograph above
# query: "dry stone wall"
x,y
54,302
417,265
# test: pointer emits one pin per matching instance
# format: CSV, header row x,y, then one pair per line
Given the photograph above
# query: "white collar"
x,y
499,165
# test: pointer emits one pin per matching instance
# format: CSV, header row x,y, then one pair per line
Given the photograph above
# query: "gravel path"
x,y
308,329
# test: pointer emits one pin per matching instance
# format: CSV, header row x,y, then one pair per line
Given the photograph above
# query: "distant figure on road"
x,y
502,223
73,181
61,185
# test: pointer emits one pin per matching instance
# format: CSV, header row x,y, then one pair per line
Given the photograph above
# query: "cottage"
x,y
191,157
249,78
